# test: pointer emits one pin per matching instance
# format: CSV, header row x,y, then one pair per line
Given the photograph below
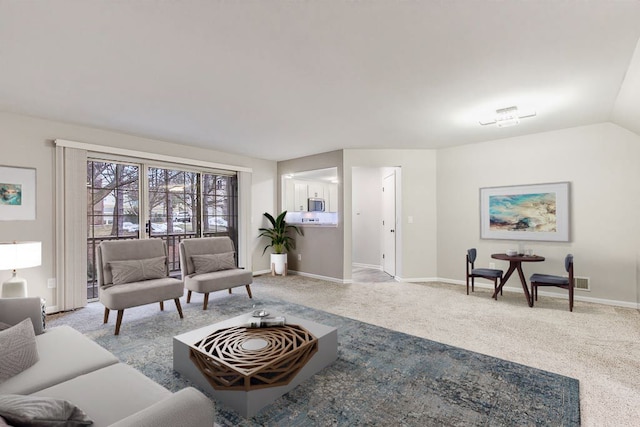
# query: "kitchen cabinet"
x,y
316,189
298,191
300,196
331,198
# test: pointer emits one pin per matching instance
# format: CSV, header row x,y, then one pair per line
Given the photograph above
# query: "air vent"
x,y
582,283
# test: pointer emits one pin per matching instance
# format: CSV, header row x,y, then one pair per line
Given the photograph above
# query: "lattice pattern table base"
x,y
240,358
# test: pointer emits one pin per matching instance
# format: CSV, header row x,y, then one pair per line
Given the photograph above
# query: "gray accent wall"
x,y
322,247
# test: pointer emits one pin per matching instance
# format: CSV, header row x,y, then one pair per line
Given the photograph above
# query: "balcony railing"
x,y
173,255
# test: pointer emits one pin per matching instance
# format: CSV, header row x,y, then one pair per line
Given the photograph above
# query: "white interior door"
x,y
389,224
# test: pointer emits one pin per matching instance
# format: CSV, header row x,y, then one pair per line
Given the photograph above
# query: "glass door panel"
x,y
220,202
112,211
177,205
173,208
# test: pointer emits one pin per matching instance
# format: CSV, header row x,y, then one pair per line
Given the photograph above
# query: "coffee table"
x,y
237,365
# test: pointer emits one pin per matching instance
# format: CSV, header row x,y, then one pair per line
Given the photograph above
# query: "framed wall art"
x,y
17,193
525,212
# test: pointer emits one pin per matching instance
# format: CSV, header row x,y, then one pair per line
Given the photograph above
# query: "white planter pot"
x,y
279,264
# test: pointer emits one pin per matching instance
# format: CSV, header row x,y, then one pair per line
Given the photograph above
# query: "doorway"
x,y
389,224
374,231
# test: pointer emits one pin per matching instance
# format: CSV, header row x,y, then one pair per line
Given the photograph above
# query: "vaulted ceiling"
x,y
283,79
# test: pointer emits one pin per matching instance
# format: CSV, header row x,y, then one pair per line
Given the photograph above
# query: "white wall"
x,y
28,142
626,110
601,163
366,216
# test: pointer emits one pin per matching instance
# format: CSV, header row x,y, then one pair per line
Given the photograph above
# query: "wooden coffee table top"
x,y
242,358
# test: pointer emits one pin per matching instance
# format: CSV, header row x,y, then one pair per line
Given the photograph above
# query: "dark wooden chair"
x,y
485,273
558,281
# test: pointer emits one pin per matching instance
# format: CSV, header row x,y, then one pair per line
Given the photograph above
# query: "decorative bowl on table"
x,y
511,252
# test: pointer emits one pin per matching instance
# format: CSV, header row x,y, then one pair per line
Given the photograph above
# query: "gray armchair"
x,y
133,273
209,265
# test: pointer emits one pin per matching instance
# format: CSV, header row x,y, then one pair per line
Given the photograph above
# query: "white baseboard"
x,y
317,276
52,309
261,272
416,279
576,295
299,273
371,266
487,285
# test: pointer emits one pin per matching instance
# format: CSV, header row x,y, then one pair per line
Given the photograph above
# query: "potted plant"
x,y
280,240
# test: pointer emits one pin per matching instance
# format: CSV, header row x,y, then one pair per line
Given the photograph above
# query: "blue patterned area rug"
x,y
381,377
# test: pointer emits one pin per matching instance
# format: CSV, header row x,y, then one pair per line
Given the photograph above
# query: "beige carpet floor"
x,y
597,344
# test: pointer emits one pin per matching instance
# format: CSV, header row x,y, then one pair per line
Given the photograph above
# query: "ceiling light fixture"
x,y
506,117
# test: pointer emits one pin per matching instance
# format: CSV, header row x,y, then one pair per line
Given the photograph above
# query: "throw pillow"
x,y
4,326
138,269
40,411
18,350
213,262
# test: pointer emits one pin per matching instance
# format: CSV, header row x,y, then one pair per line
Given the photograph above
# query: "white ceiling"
x,y
283,79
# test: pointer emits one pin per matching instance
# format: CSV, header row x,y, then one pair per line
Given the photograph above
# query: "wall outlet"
x,y
51,283
299,257
492,265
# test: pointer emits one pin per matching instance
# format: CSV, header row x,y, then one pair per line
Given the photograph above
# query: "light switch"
x,y
410,219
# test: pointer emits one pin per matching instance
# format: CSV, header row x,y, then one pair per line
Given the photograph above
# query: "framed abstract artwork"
x,y
525,212
17,193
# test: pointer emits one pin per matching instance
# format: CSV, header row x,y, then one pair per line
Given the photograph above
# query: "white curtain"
x,y
71,227
244,220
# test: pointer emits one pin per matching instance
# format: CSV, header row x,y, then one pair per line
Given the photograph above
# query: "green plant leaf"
x,y
278,234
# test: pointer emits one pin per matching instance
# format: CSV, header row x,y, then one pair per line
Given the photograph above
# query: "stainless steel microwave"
x,y
315,204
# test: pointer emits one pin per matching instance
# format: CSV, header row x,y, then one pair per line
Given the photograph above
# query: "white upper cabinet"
x,y
331,198
301,194
316,190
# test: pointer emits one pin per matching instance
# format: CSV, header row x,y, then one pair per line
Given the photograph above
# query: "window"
x,y
173,205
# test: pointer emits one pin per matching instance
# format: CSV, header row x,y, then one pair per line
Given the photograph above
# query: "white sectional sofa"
x,y
74,368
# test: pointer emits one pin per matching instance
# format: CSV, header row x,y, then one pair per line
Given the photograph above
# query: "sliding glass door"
x,y
220,206
135,201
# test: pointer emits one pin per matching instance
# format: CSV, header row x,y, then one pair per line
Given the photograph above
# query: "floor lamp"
x,y
16,255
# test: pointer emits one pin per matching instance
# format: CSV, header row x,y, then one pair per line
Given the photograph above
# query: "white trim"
x,y
51,309
146,155
597,300
417,279
576,297
313,276
317,276
371,266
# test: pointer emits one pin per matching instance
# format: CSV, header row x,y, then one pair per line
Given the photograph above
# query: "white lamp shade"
x,y
16,255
